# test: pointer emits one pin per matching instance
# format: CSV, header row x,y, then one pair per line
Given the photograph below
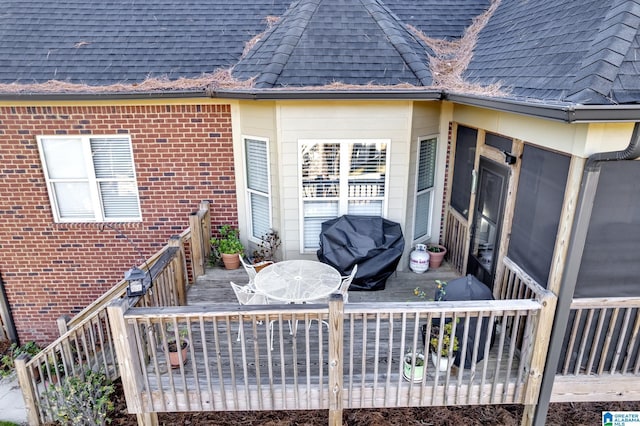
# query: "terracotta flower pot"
x,y
174,358
231,261
435,258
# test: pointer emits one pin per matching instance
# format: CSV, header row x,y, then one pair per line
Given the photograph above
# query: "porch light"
x,y
135,282
509,158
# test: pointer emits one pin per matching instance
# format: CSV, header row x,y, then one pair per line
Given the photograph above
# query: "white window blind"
x,y
425,177
340,177
258,186
90,179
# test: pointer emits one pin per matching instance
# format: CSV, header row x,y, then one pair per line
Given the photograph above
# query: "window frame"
x,y
92,180
250,191
431,190
345,165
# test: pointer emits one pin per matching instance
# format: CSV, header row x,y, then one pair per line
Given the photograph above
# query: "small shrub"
x,y
81,400
7,364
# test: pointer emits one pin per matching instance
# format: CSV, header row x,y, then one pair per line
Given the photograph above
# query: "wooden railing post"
x,y
336,358
129,363
180,271
540,345
206,228
66,346
28,392
197,245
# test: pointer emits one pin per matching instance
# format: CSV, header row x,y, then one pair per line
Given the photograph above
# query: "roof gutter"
x,y
301,94
568,113
273,94
582,218
101,96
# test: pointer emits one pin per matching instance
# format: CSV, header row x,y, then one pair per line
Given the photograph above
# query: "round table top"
x,y
297,281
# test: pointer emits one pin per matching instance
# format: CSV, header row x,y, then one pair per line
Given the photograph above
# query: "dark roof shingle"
x,y
348,41
570,51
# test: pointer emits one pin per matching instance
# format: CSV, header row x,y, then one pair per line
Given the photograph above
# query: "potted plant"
x,y
228,246
178,349
265,253
446,349
436,254
413,367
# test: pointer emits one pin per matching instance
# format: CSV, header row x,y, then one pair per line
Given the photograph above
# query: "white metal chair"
x,y
346,282
247,295
343,289
250,269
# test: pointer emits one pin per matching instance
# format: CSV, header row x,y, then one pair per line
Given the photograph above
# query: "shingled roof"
x,y
319,42
568,52
123,41
574,51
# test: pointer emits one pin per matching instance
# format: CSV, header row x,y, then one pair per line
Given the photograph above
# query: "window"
x,y
340,177
425,177
90,179
258,186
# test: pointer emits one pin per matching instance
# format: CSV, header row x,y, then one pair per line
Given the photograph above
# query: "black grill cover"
x,y
371,242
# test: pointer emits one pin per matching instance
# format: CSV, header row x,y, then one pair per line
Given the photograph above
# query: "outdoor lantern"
x,y
135,282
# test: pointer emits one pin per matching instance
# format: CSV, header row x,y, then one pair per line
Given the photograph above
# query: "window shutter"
x,y
257,166
258,190
424,187
365,207
426,164
112,158
113,165
316,212
423,207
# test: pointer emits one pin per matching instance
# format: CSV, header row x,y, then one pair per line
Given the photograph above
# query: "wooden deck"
x,y
226,373
213,287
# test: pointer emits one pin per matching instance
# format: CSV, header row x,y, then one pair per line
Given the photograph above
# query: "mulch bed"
x,y
559,414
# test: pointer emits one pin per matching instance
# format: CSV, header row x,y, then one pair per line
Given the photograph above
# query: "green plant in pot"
x,y
447,348
178,348
413,366
265,253
228,246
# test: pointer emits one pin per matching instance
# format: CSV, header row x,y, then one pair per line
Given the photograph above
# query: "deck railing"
x,y
86,341
335,357
601,356
456,236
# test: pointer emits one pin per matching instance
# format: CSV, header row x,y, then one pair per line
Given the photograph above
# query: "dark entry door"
x,y
487,219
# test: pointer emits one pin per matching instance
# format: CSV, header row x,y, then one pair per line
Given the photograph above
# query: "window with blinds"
x,y
340,177
425,178
258,186
90,179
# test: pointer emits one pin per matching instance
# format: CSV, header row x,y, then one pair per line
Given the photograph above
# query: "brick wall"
x,y
183,155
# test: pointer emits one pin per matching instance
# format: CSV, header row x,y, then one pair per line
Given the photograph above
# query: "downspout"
x,y
584,208
5,312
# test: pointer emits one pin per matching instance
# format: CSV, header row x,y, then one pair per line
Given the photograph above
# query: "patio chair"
x,y
343,289
247,295
250,269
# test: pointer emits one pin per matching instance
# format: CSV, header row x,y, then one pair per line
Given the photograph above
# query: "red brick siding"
x,y
183,155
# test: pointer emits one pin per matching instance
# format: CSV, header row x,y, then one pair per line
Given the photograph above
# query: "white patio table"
x,y
297,281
